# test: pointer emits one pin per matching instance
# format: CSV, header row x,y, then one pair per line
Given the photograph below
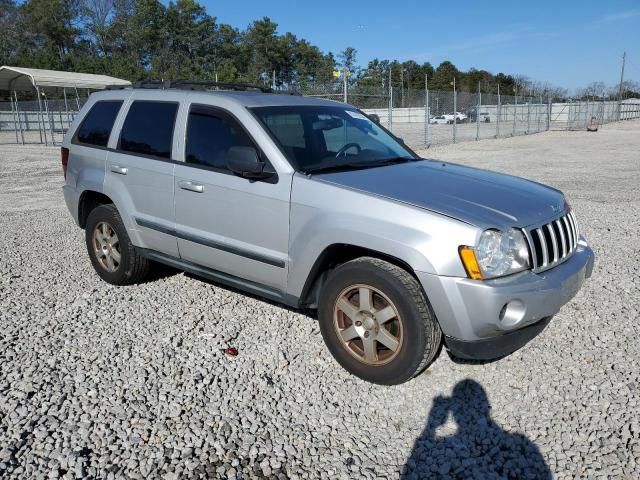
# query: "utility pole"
x,y
624,57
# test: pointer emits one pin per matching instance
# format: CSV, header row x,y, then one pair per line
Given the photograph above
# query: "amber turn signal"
x,y
468,257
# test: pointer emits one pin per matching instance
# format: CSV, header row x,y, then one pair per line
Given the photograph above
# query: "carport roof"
x,y
21,79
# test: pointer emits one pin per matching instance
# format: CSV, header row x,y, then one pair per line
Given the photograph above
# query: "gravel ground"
x,y
99,381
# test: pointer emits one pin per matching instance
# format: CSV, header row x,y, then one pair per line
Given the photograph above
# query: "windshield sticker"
x,y
357,115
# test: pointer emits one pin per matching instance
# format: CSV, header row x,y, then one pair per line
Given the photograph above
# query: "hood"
x,y
479,197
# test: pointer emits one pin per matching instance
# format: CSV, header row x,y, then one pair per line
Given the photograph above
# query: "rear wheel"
x,y
376,321
112,254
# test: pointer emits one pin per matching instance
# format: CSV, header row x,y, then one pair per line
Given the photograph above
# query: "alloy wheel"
x,y
368,324
106,246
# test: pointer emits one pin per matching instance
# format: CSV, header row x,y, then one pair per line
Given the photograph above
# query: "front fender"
x,y
323,215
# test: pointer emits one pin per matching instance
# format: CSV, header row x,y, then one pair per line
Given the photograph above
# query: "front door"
x,y
227,223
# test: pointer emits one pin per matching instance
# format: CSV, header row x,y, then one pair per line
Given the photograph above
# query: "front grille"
x,y
553,243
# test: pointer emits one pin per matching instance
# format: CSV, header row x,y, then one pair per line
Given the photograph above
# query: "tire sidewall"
x,y
108,214
414,343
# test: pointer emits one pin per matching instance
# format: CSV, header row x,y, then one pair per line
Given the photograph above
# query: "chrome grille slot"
x,y
552,243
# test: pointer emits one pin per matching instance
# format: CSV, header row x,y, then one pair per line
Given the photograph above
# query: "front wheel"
x,y
376,321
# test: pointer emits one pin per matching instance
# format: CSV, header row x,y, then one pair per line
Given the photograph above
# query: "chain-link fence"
x,y
444,117
422,118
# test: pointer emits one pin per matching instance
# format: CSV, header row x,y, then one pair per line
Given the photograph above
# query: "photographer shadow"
x,y
478,449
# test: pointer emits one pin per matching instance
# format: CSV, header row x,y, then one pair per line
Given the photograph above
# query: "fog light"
x,y
512,313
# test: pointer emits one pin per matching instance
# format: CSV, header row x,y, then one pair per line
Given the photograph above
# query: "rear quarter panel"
x,y
86,166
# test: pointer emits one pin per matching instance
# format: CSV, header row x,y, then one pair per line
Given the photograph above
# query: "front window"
x,y
319,138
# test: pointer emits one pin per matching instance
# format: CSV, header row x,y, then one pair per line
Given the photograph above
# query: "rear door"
x,y
140,168
223,221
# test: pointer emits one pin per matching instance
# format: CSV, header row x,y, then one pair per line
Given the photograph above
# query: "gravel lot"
x,y
99,381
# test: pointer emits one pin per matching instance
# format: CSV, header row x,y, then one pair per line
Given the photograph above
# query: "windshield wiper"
x,y
360,165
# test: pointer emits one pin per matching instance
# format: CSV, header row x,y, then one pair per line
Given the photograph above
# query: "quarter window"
x,y
97,125
148,128
210,135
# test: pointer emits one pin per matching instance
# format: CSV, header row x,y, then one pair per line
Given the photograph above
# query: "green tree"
x,y
186,51
263,49
49,33
444,75
8,26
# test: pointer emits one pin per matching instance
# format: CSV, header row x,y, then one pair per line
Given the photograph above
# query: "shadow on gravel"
x,y
159,271
478,449
302,311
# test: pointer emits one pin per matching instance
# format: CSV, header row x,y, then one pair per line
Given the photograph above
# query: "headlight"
x,y
497,254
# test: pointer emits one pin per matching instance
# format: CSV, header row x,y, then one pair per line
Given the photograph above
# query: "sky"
x,y
569,43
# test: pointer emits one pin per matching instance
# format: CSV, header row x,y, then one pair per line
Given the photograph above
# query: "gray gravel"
x,y
99,381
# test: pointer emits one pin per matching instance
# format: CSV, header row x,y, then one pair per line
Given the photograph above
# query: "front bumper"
x,y
492,318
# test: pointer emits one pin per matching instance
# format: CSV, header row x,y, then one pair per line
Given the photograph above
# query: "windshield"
x,y
319,138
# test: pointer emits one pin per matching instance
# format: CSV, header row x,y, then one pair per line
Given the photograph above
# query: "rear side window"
x,y
148,128
210,136
96,126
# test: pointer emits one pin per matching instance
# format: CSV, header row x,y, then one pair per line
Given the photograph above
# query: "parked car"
x,y
441,120
485,117
458,116
309,203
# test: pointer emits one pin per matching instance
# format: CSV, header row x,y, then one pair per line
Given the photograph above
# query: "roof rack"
x,y
197,85
203,85
153,84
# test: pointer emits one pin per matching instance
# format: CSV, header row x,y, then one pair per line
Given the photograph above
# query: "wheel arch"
x,y
90,199
337,254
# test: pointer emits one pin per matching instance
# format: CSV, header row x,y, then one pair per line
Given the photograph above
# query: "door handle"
x,y
192,187
118,169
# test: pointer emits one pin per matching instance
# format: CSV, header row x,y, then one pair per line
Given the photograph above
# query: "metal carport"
x,y
19,79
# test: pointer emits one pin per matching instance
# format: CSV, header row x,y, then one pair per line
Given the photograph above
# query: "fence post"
x,y
455,108
515,112
390,122
549,106
478,113
344,84
529,116
426,111
498,113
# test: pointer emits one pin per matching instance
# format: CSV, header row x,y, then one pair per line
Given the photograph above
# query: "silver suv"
x,y
312,204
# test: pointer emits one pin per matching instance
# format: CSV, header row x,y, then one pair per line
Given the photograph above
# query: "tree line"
x,y
144,39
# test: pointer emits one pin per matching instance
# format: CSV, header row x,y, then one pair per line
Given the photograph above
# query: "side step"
x,y
220,277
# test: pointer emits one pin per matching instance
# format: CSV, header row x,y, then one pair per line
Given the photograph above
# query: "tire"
x,y
396,319
102,224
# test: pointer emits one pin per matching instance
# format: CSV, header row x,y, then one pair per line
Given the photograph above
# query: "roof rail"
x,y
197,85
204,84
161,84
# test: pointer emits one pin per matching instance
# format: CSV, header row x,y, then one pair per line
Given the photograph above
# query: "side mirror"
x,y
375,118
245,162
